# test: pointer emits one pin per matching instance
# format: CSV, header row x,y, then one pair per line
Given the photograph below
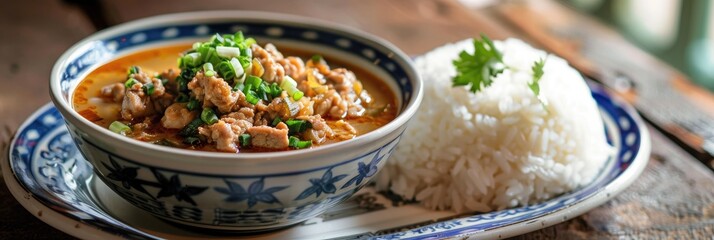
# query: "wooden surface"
x,y
674,197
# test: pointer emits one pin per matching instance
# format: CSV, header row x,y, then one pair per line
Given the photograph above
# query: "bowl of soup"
x,y
235,120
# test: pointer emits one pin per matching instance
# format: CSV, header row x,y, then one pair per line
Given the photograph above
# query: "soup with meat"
x,y
231,94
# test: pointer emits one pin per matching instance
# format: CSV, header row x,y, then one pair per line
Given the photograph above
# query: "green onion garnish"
x,y
275,122
239,87
250,41
130,82
275,90
148,88
264,91
208,116
119,127
192,104
134,70
182,97
251,98
181,84
208,70
253,81
238,37
228,52
217,39
190,60
298,95
191,129
244,140
316,58
304,144
292,141
289,85
226,70
235,63
296,126
296,143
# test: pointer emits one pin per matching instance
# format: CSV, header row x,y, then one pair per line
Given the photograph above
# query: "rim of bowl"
x,y
223,15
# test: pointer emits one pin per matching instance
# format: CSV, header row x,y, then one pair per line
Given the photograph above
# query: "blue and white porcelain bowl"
x,y
247,191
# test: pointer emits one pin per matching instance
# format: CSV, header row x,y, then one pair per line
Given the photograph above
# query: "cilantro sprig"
x,y
537,74
478,69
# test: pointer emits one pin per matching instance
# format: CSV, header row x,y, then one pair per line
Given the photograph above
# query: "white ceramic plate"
x,y
48,175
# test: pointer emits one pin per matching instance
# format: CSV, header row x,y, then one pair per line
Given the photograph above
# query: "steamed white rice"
x,y
499,148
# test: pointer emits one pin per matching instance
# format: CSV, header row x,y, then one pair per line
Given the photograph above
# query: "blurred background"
x,y
677,31
656,54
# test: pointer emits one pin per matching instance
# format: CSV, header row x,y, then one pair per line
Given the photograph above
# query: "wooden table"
x,y
674,197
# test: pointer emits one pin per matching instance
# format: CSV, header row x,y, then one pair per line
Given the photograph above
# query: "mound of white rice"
x,y
498,148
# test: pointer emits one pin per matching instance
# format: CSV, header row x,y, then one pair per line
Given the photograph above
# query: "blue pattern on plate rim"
x,y
40,160
100,51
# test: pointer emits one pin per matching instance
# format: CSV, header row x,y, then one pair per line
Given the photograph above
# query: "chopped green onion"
x,y
119,127
230,69
289,85
235,63
249,42
193,104
187,74
245,61
304,144
292,141
191,129
264,91
228,52
196,45
192,140
253,81
298,95
296,143
181,84
130,82
316,58
244,140
134,70
226,70
275,122
238,87
275,90
217,39
251,98
182,97
209,54
208,69
208,116
148,88
238,37
296,126
190,60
